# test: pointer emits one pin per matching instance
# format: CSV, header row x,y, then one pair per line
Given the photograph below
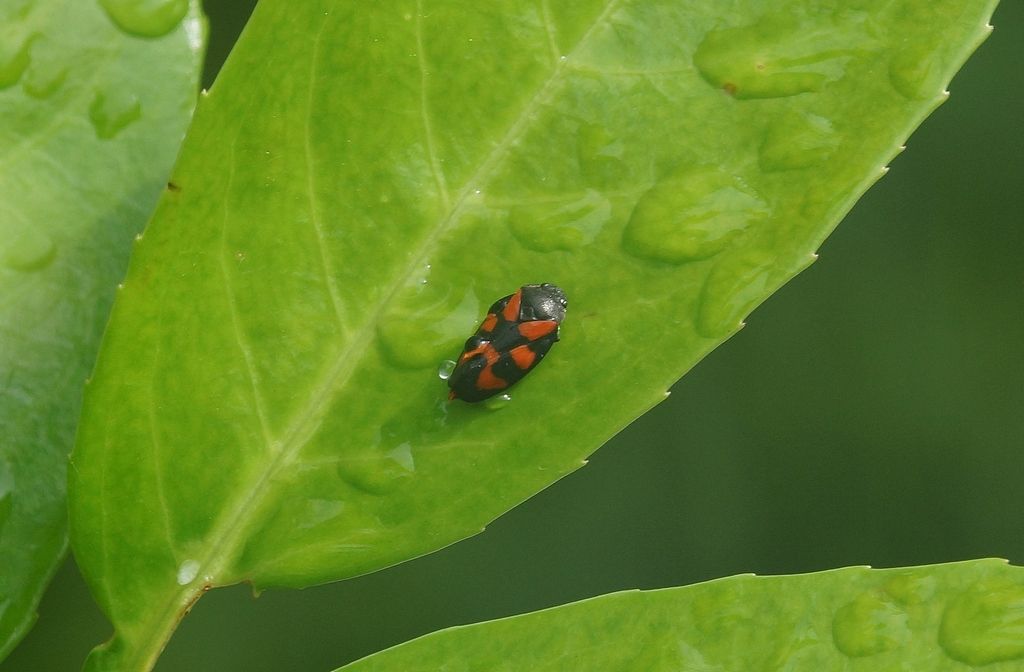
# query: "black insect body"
x,y
516,334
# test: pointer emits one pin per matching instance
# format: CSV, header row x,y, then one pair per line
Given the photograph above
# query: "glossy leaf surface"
x,y
90,120
364,180
937,618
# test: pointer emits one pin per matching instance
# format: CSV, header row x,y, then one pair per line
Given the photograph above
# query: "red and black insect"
x,y
516,334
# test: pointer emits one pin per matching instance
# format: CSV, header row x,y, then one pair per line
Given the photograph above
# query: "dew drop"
x,y
318,511
715,609
797,141
915,75
691,216
600,156
773,58
402,456
112,111
733,287
146,18
14,61
444,371
42,82
426,275
426,324
909,590
28,250
187,572
378,473
984,624
869,625
498,402
798,648
546,227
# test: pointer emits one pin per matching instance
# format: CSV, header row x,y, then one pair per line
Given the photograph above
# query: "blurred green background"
x,y
872,412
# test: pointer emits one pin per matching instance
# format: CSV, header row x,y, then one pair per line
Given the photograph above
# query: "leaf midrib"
x,y
304,421
224,542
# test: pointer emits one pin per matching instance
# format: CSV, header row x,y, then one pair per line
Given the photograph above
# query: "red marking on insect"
x,y
523,356
511,312
537,329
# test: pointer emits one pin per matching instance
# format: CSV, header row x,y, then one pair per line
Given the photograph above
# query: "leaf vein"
x,y
232,300
314,207
550,30
428,127
154,439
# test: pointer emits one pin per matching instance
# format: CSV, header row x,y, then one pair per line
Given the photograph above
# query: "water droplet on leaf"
x,y
909,590
14,60
112,111
318,511
498,402
444,372
715,609
798,646
796,141
426,275
984,624
600,156
773,58
915,75
869,625
187,572
146,18
28,250
566,225
733,287
378,473
43,82
427,323
690,216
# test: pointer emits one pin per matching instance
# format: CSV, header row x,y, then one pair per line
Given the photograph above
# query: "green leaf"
x,y
91,120
365,179
936,618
